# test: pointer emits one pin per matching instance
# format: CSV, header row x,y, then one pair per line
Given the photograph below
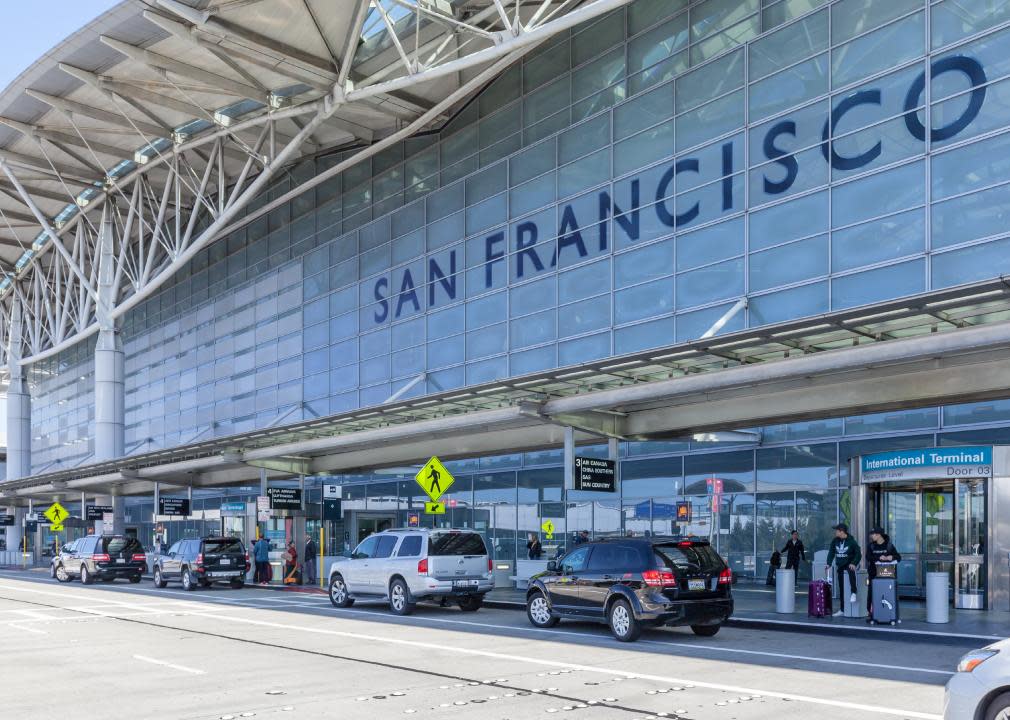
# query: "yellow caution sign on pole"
x,y
322,554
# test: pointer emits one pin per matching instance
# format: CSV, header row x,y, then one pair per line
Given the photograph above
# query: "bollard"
x,y
937,602
785,591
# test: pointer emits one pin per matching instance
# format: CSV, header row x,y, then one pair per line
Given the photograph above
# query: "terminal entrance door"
x,y
937,526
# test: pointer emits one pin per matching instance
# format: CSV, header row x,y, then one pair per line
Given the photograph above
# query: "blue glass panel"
x,y
977,262
533,329
802,301
968,217
786,264
529,361
645,263
655,333
715,242
645,300
879,284
971,167
714,282
862,57
584,281
879,194
593,347
533,296
878,240
584,316
692,325
789,221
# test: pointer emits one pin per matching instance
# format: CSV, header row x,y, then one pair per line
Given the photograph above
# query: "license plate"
x,y
464,584
120,561
226,561
695,584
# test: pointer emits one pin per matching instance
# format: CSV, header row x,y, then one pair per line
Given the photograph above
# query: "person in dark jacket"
x,y
880,550
309,560
844,555
533,547
261,552
794,551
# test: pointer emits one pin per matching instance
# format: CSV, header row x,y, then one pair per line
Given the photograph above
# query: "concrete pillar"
x,y
569,458
12,535
110,369
118,515
19,403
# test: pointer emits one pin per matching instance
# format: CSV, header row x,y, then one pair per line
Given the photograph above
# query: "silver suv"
x,y
410,564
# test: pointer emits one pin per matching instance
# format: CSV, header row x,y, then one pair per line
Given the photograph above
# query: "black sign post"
x,y
331,509
6,521
285,498
97,512
595,475
173,506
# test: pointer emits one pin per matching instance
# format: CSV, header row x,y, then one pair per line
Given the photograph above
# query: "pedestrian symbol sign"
x,y
56,514
548,528
434,479
434,508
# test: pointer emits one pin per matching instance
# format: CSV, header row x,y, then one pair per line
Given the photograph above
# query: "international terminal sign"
x,y
927,464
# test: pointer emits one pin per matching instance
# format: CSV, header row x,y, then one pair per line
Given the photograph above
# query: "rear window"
x,y
410,546
615,557
223,545
456,544
121,545
689,558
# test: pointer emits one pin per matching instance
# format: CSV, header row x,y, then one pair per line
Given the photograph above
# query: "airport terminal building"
x,y
751,250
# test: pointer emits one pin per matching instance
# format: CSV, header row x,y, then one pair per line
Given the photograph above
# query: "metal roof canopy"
x,y
938,347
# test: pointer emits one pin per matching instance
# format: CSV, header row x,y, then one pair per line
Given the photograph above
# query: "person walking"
x,y
261,552
880,550
309,560
794,551
533,547
844,555
291,564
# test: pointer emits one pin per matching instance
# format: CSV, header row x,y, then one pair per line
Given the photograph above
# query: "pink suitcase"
x,y
819,599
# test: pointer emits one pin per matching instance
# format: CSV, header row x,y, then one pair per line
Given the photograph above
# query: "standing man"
x,y
844,554
879,550
309,560
794,551
261,551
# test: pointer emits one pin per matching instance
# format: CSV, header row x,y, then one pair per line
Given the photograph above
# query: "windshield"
x,y
223,545
689,558
456,544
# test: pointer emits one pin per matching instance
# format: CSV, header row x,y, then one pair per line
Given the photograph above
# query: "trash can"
x,y
937,597
785,591
859,609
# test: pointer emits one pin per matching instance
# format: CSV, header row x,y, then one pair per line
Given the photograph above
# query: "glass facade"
x,y
619,188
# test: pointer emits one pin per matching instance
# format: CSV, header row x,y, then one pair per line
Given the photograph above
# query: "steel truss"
x,y
187,191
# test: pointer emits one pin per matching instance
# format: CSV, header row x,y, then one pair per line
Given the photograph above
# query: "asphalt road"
x,y
131,651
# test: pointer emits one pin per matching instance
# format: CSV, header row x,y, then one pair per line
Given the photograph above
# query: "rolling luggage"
x,y
884,589
819,599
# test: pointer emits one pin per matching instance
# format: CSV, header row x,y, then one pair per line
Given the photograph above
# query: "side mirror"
x,y
552,566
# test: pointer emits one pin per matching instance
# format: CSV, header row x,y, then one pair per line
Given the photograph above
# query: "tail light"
x,y
101,557
490,565
139,557
726,577
659,578
199,559
422,567
247,565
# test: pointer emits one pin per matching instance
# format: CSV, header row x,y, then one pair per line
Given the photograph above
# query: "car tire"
x,y
237,584
338,593
399,598
187,580
61,574
999,704
86,578
705,630
135,578
622,622
159,580
470,603
538,611
52,570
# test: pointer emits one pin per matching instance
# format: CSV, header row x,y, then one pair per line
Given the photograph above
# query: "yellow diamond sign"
x,y
56,514
434,508
548,528
434,479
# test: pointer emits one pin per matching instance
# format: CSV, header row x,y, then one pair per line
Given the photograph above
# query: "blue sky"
x,y
30,29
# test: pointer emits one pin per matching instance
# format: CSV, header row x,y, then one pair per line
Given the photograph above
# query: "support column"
x,y
19,402
12,535
118,515
110,371
569,458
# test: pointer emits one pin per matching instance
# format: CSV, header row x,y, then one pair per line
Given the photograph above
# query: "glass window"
x,y
879,194
643,149
862,57
645,13
889,238
789,221
546,101
735,469
790,263
583,138
591,347
644,335
802,301
532,329
799,466
711,16
533,161
410,546
880,284
974,166
980,412
952,20
850,18
710,283
658,44
715,242
366,549
894,421
575,561
598,74
645,263
645,300
971,263
585,173
643,111
709,81
718,117
384,548
788,45
968,217
692,325
788,88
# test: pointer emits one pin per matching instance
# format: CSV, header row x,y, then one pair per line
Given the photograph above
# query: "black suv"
x,y
630,583
202,561
100,557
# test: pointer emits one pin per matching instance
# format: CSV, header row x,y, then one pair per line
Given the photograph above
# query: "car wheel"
x,y
187,580
338,593
52,570
61,574
238,583
86,578
399,598
538,610
999,708
135,578
159,581
470,603
705,630
622,621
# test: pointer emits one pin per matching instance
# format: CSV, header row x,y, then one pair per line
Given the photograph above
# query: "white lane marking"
x,y
872,628
663,643
165,663
528,660
34,631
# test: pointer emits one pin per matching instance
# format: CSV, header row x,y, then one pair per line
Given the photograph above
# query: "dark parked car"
x,y
100,557
633,583
202,561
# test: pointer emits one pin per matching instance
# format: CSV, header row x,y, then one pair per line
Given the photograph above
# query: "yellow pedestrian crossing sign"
x,y
56,514
548,528
434,479
434,508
